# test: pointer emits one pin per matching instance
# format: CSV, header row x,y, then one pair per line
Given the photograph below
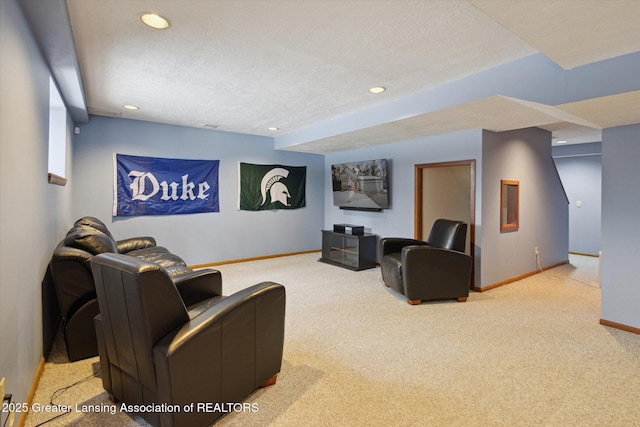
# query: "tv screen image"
x,y
360,185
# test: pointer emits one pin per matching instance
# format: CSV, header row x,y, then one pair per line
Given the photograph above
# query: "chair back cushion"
x,y
93,222
139,305
448,234
89,239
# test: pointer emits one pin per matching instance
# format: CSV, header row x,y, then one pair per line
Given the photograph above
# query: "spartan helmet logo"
x,y
278,192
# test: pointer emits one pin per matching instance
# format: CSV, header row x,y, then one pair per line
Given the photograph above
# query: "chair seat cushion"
x,y
391,267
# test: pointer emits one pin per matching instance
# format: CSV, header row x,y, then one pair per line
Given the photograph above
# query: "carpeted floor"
x,y
530,353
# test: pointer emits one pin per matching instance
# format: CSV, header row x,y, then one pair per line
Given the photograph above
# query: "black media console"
x,y
349,246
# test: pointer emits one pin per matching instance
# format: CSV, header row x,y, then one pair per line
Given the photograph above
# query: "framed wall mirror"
x,y
509,205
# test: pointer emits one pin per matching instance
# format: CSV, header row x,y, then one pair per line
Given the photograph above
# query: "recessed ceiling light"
x,y
377,89
273,128
154,20
131,107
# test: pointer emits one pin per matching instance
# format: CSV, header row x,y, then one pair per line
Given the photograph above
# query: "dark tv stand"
x,y
352,251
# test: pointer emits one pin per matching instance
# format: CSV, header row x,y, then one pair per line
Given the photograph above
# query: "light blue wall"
x,y
198,238
398,220
402,157
33,213
580,169
620,226
522,155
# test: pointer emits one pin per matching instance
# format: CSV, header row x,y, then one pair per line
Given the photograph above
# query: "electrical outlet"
x,y
535,251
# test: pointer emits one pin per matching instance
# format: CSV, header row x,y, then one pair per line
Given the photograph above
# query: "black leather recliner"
x,y
73,281
435,269
156,348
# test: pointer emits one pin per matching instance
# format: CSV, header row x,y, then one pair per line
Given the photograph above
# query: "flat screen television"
x,y
360,186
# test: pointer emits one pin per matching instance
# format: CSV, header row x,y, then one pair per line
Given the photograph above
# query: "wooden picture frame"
x,y
509,205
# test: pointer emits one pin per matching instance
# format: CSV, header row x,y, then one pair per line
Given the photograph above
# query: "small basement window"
x,y
57,136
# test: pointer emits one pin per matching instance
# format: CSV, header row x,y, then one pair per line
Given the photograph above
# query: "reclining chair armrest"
x,y
389,245
190,331
133,243
197,285
446,271
243,333
69,253
72,277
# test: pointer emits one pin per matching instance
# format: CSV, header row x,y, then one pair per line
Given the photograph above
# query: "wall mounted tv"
x,y
360,186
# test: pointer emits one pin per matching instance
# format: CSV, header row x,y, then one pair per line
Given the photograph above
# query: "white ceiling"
x,y
243,66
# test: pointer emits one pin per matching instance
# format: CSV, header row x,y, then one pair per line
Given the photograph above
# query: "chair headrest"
x,y
448,234
90,239
93,222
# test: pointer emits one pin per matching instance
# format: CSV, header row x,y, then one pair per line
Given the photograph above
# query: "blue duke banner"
x,y
157,186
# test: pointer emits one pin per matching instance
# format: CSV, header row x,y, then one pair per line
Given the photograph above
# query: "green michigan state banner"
x,y
271,187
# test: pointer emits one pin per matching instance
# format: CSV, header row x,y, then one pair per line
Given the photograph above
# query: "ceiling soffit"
x,y
498,114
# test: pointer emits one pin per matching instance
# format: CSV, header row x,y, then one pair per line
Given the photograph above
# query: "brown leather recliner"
x,y
156,350
435,269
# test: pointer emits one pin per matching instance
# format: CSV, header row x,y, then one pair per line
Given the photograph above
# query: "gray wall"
x,y
522,155
205,237
620,226
580,168
34,215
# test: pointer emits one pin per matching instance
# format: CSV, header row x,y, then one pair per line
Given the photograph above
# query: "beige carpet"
x,y
531,353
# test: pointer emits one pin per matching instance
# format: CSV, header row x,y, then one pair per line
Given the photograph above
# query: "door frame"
x,y
418,227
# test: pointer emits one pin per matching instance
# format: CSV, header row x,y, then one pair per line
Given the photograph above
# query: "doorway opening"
x,y
446,190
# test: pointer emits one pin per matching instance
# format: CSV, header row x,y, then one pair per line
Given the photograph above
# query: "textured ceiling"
x,y
244,66
571,32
